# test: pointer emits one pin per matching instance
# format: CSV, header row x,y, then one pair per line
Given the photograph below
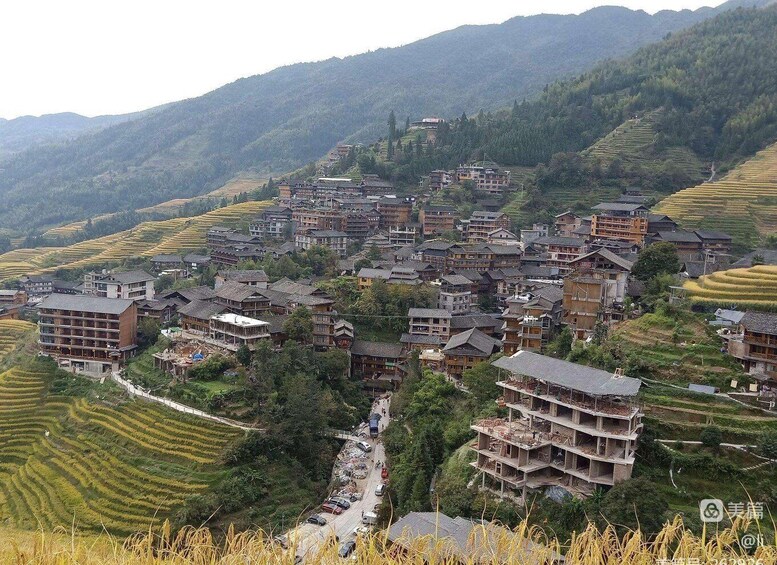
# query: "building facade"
x,y
568,425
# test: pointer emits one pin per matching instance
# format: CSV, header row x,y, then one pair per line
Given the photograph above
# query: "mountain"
x,y
26,131
294,114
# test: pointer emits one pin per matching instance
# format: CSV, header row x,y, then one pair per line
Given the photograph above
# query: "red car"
x,y
331,508
384,473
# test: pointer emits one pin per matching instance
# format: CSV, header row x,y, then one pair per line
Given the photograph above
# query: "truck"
x,y
374,419
370,519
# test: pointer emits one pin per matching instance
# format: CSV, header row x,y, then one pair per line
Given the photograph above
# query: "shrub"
x,y
711,436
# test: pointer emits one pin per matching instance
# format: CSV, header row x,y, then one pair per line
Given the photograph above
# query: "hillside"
x,y
743,203
73,453
292,115
177,235
24,132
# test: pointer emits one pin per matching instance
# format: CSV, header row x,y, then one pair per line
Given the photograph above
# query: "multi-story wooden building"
x,y
532,319
234,330
436,220
616,220
595,291
465,350
566,223
568,425
486,177
439,180
482,223
88,333
242,299
374,360
273,223
337,241
559,251
394,212
755,344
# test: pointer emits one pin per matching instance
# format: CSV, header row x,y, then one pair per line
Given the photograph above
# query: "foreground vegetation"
x,y
592,546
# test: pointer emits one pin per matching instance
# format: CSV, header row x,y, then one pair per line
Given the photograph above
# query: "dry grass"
x,y
197,546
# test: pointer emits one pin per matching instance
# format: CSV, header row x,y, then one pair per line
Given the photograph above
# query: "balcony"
x,y
515,433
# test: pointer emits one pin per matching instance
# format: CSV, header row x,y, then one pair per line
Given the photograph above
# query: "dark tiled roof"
x,y
376,349
618,207
235,291
679,236
474,321
570,375
761,322
131,277
769,257
86,303
475,339
257,275
428,313
420,339
609,256
709,234
559,240
201,309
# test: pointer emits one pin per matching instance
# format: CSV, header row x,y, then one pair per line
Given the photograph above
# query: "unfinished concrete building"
x,y
568,425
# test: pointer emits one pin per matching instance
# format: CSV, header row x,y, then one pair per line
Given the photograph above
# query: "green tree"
x,y
299,325
148,331
392,125
480,380
634,504
711,436
656,259
244,355
767,444
561,345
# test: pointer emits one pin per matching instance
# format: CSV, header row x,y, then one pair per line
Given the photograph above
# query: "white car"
x,y
364,446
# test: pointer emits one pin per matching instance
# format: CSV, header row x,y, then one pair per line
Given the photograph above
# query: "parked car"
x,y
364,446
380,489
340,501
332,508
317,520
347,549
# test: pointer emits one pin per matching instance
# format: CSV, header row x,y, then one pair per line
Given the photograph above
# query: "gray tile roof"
x,y
131,277
474,321
201,309
257,275
475,339
618,207
761,322
456,280
559,240
291,287
376,349
86,303
428,313
570,375
679,236
420,339
463,540
710,234
235,291
609,255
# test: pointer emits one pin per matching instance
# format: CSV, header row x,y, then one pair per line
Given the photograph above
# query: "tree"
x,y
480,380
299,325
244,355
767,444
374,253
656,259
148,331
392,125
711,436
633,504
561,345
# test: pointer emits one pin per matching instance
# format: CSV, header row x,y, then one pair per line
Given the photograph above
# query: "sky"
x,y
99,57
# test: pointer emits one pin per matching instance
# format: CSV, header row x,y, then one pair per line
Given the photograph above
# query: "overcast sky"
x,y
116,56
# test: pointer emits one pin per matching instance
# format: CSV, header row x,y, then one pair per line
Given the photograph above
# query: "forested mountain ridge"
x,y
24,132
705,95
294,114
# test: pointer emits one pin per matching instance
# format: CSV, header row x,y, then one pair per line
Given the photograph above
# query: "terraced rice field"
x,y
625,142
12,333
754,287
67,461
742,204
177,235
